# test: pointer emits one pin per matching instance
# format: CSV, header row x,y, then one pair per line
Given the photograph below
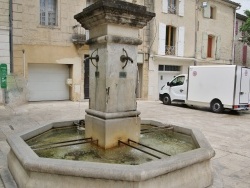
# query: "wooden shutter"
x,y
181,7
204,45
87,34
207,11
181,41
165,6
218,45
162,39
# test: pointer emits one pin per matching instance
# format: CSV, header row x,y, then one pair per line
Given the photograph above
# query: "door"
x,y
86,78
178,88
244,86
48,82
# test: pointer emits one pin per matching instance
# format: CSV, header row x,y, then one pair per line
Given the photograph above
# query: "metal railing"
x,y
171,9
170,50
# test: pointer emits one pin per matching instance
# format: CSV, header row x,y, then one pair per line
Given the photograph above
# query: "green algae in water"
x,y
56,135
166,141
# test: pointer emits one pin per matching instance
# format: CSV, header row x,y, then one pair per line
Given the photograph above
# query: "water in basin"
x,y
69,143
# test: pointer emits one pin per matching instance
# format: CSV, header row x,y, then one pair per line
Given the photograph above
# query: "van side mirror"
x,y
168,84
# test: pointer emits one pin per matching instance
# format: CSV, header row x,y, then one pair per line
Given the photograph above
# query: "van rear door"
x,y
244,85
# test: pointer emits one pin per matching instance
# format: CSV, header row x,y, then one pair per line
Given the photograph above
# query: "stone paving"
x,y
228,133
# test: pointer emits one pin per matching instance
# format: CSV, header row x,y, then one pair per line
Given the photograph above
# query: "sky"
x,y
245,5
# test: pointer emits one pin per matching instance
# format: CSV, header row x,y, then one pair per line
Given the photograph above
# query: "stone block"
x,y
109,131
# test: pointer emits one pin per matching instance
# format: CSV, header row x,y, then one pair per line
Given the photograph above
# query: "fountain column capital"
x,y
114,12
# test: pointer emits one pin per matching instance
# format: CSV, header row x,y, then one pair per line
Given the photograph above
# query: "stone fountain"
x,y
112,116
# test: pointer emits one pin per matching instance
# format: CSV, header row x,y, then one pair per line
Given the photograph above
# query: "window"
x,y
48,12
178,81
209,11
209,46
170,40
212,12
169,37
169,68
244,56
172,6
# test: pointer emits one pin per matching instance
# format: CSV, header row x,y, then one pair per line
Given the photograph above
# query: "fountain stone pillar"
x,y
113,27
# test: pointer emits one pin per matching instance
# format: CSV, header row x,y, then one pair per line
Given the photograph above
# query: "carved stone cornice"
x,y
114,12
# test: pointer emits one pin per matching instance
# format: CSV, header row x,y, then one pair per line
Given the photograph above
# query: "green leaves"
x,y
245,29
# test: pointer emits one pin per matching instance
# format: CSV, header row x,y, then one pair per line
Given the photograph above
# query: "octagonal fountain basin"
x,y
59,155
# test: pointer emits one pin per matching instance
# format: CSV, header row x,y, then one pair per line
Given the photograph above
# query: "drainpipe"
x,y
11,34
24,64
196,31
234,28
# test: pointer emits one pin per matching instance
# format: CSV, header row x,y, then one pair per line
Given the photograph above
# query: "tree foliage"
x,y
245,29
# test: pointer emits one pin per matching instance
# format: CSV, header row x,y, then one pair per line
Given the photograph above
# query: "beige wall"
x,y
187,21
222,25
34,43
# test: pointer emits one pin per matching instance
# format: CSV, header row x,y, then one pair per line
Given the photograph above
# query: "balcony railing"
x,y
170,50
79,35
172,9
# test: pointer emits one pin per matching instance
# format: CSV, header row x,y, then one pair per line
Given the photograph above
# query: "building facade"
x,y
189,32
48,49
242,51
4,40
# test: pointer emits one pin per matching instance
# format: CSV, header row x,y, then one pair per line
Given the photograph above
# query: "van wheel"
x,y
166,100
216,106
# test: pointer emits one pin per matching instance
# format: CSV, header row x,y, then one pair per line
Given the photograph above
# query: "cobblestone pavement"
x,y
228,133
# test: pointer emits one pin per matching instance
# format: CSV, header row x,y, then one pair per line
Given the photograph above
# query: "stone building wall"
x,y
36,43
4,40
220,27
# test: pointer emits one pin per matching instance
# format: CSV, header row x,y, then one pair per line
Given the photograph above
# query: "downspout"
x,y
11,34
234,29
196,31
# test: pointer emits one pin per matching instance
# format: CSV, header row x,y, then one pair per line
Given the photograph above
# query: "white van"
x,y
217,87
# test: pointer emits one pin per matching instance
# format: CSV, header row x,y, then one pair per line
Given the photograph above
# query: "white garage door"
x,y
48,82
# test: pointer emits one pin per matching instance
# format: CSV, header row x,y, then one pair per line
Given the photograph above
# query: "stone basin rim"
x,y
29,159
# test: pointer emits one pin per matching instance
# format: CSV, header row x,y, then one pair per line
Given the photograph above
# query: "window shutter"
x,y
42,12
181,7
87,34
165,6
162,39
181,41
244,55
204,45
207,11
218,45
